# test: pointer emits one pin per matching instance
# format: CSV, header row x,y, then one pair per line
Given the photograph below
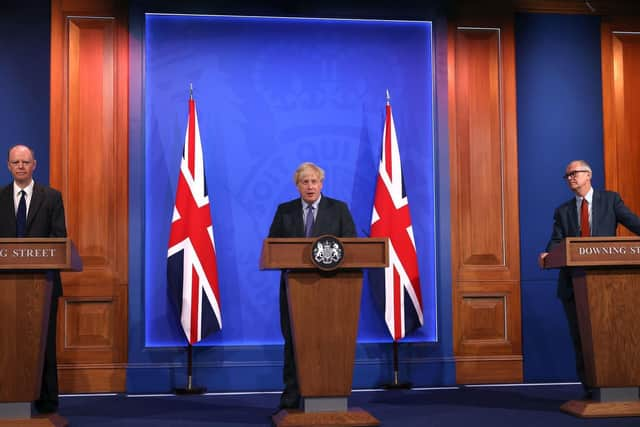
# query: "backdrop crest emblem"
x,y
327,252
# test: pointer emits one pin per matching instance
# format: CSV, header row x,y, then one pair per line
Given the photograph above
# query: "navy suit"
x,y
607,211
44,219
333,217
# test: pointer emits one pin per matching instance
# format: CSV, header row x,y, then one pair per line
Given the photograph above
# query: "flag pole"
x,y
396,384
190,389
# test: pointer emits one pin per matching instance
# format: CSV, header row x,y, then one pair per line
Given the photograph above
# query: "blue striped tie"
x,y
21,216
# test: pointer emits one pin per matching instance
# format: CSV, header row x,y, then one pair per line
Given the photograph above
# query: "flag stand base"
x,y
396,385
189,389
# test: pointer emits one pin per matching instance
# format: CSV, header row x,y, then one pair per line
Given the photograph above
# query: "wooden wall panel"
x,y
89,164
621,108
484,200
479,161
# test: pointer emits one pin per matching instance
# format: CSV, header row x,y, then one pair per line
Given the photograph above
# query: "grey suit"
x,y
333,217
607,211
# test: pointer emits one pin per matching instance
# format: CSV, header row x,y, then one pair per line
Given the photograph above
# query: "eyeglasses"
x,y
572,174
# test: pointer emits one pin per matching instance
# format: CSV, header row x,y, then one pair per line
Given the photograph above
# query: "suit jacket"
x,y
607,211
333,217
45,217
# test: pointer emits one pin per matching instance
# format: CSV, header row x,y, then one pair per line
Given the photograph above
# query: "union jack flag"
x,y
391,218
192,273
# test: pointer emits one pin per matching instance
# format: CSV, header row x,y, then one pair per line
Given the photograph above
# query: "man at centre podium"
x,y
310,215
589,213
28,209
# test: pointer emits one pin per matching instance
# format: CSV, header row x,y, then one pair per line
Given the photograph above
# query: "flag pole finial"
x,y
388,97
190,90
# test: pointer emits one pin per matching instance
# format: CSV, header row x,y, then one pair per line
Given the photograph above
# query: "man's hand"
x,y
541,258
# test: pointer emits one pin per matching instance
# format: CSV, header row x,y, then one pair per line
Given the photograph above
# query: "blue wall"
x,y
24,81
559,119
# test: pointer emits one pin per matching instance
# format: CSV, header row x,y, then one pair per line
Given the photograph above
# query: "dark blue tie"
x,y
308,224
21,216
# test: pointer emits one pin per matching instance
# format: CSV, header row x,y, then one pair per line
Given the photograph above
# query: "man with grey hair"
x,y
310,215
589,213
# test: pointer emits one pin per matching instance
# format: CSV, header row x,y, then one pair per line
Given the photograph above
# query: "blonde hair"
x,y
306,166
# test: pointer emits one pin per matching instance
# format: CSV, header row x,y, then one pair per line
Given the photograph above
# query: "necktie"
x,y
308,224
585,229
21,216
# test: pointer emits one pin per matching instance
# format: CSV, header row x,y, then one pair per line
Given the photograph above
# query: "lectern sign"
x,y
595,251
327,253
38,253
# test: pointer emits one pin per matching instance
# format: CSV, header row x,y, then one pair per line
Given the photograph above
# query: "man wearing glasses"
x,y
590,213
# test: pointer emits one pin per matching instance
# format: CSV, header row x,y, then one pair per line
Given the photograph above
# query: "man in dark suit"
x,y
42,214
590,213
312,214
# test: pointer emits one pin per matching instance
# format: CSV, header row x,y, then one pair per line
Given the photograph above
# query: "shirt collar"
x,y
28,189
588,196
314,204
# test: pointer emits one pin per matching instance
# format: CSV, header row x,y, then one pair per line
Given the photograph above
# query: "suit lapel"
x,y
7,204
573,219
297,218
319,226
36,202
595,202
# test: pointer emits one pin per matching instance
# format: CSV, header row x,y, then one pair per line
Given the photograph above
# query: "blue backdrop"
x,y
24,81
270,94
559,119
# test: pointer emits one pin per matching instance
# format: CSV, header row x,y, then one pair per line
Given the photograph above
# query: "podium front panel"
x,y
324,310
24,314
608,304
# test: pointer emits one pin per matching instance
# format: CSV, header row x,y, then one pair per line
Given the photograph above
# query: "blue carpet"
x,y
495,406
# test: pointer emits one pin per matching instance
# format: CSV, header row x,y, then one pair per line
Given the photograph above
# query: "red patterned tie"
x,y
585,229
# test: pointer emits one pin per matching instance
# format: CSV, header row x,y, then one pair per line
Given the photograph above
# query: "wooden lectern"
x,y
324,309
606,284
25,296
